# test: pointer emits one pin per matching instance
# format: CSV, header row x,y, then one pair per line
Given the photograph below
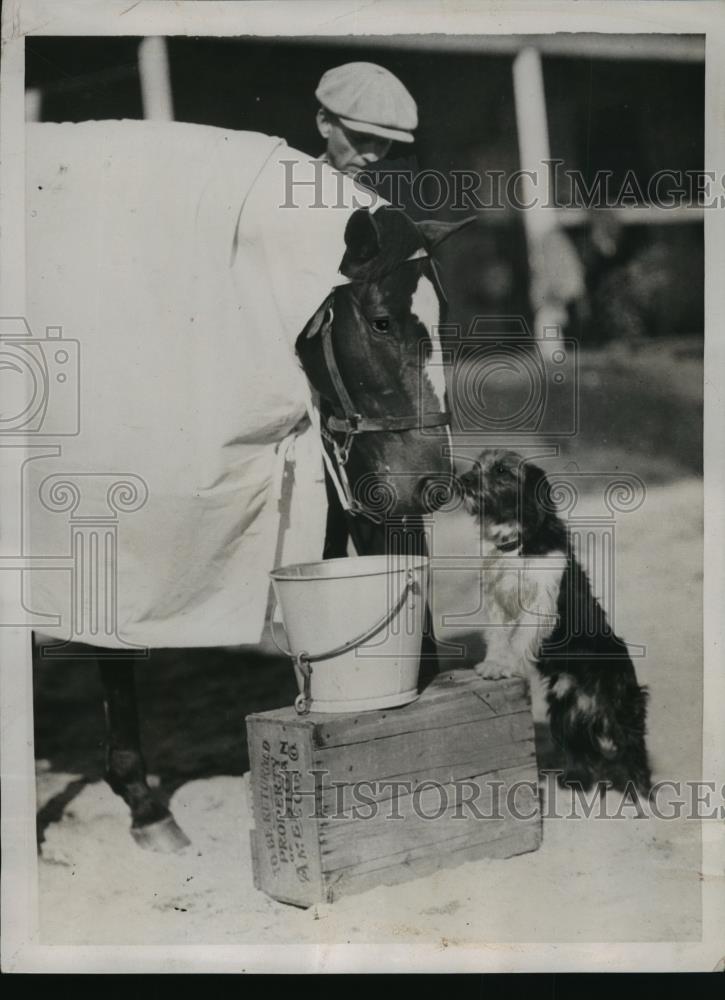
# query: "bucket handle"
x,y
303,661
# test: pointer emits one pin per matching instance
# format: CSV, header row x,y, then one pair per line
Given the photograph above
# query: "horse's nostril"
x,y
434,492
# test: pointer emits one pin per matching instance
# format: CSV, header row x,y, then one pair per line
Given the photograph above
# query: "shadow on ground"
x,y
192,705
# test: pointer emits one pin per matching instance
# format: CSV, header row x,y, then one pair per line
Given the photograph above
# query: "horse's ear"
x,y
362,237
435,232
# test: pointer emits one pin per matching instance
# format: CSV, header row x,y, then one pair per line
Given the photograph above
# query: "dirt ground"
x,y
592,880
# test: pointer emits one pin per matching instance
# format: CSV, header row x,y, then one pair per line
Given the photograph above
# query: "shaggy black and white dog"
x,y
538,609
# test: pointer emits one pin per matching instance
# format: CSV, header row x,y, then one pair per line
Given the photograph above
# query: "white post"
x,y
153,69
533,137
33,104
540,221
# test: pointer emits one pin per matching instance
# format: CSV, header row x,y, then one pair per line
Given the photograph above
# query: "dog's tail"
x,y
630,730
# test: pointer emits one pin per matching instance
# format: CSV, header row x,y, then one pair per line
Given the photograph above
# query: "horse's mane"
x,y
399,237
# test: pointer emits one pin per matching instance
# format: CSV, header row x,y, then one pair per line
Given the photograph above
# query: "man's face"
x,y
350,151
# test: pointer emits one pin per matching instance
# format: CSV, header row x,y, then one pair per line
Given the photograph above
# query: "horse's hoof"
x,y
164,836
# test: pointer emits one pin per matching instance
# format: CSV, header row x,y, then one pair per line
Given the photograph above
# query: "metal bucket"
x,y
354,628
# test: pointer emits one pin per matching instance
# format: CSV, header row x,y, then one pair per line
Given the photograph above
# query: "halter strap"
x,y
354,422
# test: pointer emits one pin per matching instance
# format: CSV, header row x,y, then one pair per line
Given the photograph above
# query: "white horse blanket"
x,y
181,263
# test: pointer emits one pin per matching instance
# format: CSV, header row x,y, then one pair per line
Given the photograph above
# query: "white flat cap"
x,y
368,98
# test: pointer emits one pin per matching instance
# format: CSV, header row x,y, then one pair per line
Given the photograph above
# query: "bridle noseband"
x,y
352,422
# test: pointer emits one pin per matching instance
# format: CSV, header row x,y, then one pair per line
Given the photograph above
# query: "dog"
x,y
537,610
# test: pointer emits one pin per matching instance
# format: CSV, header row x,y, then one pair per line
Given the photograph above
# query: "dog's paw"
x,y
494,670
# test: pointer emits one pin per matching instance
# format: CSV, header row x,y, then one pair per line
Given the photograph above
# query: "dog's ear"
x,y
535,499
543,528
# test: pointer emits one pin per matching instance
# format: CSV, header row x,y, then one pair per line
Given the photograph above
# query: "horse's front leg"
x,y
152,825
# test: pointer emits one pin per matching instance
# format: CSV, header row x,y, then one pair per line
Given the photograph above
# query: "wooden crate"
x,y
326,821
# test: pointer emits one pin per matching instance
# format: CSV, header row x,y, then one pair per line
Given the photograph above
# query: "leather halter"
x,y
353,422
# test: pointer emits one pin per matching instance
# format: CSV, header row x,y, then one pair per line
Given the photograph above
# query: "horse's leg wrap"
x,y
152,824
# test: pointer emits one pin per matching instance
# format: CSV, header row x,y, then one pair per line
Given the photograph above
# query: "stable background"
x,y
635,308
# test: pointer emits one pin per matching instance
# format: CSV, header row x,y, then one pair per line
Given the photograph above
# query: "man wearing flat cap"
x,y
363,110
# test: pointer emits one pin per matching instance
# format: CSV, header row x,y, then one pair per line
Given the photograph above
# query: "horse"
x,y
371,354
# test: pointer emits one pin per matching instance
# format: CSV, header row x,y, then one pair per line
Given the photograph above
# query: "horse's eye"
x,y
381,324
500,470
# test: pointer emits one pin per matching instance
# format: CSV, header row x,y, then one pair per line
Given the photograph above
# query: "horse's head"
x,y
373,355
